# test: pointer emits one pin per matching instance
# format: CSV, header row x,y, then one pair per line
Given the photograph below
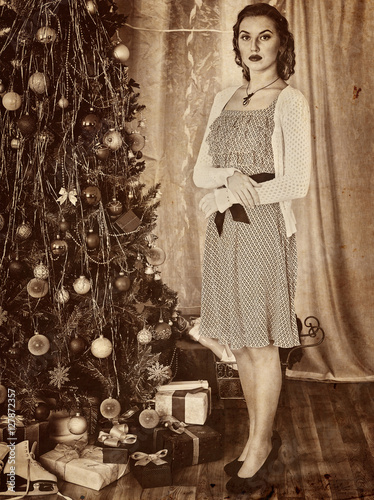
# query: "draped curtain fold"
x,y
181,70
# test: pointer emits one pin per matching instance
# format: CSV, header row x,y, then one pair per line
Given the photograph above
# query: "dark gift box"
x,y
32,432
195,444
151,471
115,455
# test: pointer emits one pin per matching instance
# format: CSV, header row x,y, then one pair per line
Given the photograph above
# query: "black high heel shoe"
x,y
247,484
233,467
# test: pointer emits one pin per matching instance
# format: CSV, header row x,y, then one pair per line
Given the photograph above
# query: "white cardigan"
x,y
291,143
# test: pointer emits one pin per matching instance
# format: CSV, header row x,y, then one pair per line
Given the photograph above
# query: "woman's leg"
x,y
261,378
222,352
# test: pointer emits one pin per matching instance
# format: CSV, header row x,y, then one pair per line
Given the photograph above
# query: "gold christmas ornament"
x,y
37,288
27,124
12,101
59,246
39,82
63,103
23,231
77,424
149,419
46,34
102,152
162,331
92,195
136,142
110,408
15,143
62,296
82,285
144,336
92,240
101,347
91,123
38,344
122,283
115,207
121,53
112,139
155,256
41,271
91,7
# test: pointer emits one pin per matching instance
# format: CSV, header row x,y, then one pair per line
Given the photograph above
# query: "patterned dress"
x,y
250,271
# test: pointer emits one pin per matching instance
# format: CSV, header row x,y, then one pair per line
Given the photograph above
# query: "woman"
x,y
256,158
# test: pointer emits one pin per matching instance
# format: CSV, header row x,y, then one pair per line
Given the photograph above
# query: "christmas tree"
x,y
83,310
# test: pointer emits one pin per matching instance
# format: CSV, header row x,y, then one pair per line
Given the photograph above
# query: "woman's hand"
x,y
243,187
208,204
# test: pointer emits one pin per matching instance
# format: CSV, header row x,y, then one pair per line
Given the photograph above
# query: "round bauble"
x,y
91,123
42,412
39,82
23,231
92,195
101,347
144,336
15,143
102,152
63,103
82,285
46,34
136,142
2,222
149,419
12,101
59,246
115,207
162,331
77,345
3,393
41,271
62,296
27,124
16,269
155,256
92,240
110,408
37,288
77,424
38,344
112,139
91,7
122,283
64,226
121,53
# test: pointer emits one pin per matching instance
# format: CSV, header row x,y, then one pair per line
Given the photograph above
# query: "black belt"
x,y
237,210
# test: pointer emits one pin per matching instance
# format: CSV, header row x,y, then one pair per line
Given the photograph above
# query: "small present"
x,y
189,445
32,431
191,406
128,222
151,470
117,444
82,466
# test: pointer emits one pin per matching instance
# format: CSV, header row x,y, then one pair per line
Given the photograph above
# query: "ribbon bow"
x,y
117,435
72,195
144,459
17,420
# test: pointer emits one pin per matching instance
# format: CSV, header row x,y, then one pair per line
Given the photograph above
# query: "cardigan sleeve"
x,y
292,150
206,175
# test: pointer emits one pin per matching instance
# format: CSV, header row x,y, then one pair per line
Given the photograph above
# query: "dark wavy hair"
x,y
286,55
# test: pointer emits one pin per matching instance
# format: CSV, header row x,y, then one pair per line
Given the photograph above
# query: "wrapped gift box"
x,y
33,432
152,471
117,444
195,444
191,406
83,467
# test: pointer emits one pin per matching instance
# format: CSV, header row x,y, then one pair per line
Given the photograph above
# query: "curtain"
x,y
181,54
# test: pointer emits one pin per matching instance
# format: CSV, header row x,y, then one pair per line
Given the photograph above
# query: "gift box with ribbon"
x,y
32,431
117,444
82,465
151,470
188,444
190,405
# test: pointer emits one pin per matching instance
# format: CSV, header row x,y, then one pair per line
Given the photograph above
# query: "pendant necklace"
x,y
248,97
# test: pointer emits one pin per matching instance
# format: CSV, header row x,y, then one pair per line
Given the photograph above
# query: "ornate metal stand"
x,y
228,379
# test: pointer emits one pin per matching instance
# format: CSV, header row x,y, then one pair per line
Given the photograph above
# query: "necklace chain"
x,y
248,97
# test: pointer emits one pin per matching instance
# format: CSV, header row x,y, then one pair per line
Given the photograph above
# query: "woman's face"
x,y
258,43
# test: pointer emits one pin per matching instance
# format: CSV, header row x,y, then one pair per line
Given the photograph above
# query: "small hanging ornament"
x,y
112,139
136,142
92,240
82,285
122,283
77,345
63,103
37,288
102,152
157,276
27,124
91,7
3,393
144,336
46,34
77,424
110,408
11,101
42,411
16,269
92,195
91,123
155,256
101,347
149,272
59,246
114,207
149,419
15,143
64,226
39,83
162,329
23,231
38,344
41,271
121,53
62,296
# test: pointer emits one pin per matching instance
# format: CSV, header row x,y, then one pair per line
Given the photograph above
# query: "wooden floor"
x,y
327,452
